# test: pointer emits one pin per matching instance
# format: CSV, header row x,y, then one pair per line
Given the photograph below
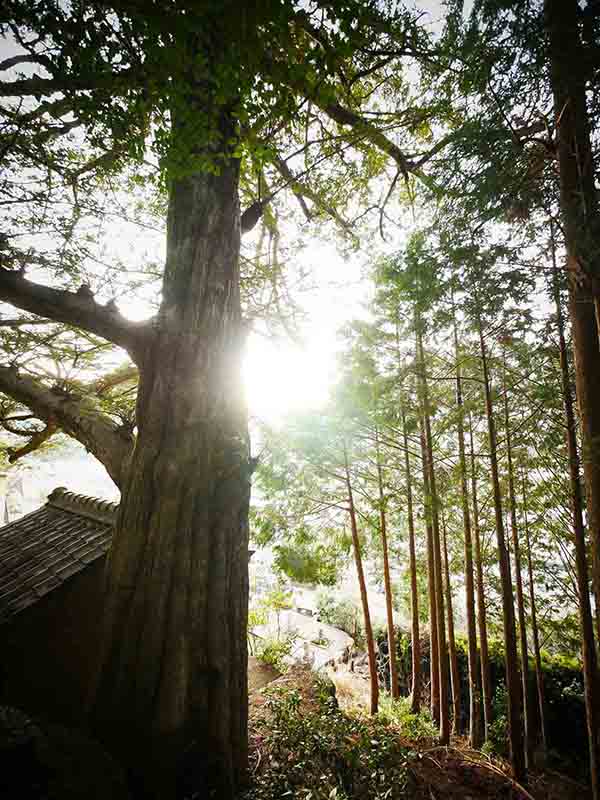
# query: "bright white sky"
x,y
281,376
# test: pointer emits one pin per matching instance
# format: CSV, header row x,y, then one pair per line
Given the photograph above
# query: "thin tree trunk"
x,y
588,647
454,673
389,607
364,598
527,709
581,225
539,675
515,731
486,681
474,694
415,697
437,551
596,597
173,663
434,658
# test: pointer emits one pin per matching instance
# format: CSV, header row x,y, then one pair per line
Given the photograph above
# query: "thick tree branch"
x,y
38,87
16,61
301,188
73,308
36,440
294,182
77,416
116,378
367,131
360,125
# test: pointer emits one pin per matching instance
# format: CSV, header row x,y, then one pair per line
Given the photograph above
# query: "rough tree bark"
x,y
389,606
364,598
434,658
588,646
581,226
527,709
486,681
173,663
515,730
454,673
417,679
436,540
539,675
474,694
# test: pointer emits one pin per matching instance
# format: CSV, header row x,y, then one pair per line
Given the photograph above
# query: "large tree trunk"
x,y
515,731
588,647
415,696
486,681
454,673
527,709
364,598
437,548
474,695
581,225
173,664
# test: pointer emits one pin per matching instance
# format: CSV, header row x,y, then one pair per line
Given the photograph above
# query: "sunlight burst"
x,y
282,378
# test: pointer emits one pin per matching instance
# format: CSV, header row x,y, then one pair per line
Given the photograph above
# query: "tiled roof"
x,y
41,550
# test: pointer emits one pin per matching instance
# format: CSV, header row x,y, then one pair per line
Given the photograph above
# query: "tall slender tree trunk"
x,y
539,675
434,657
437,551
588,647
486,681
474,694
517,753
527,708
173,663
415,696
581,225
389,606
454,673
364,598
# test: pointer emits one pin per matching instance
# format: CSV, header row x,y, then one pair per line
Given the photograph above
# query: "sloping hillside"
x,y
304,745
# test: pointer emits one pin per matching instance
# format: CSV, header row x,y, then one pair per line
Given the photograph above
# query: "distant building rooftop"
x,y
40,551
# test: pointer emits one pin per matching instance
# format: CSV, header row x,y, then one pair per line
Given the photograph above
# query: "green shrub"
x,y
342,614
274,652
498,731
398,713
324,754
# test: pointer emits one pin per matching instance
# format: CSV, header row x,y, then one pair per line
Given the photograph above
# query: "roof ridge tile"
x,y
83,505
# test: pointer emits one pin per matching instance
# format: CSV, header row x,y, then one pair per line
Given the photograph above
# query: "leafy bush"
x,y
498,731
342,614
324,754
274,652
320,641
257,615
398,713
309,563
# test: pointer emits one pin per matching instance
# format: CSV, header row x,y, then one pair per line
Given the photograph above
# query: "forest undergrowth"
x,y
311,738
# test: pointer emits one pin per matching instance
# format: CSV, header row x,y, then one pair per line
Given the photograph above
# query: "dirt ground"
x,y
260,674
